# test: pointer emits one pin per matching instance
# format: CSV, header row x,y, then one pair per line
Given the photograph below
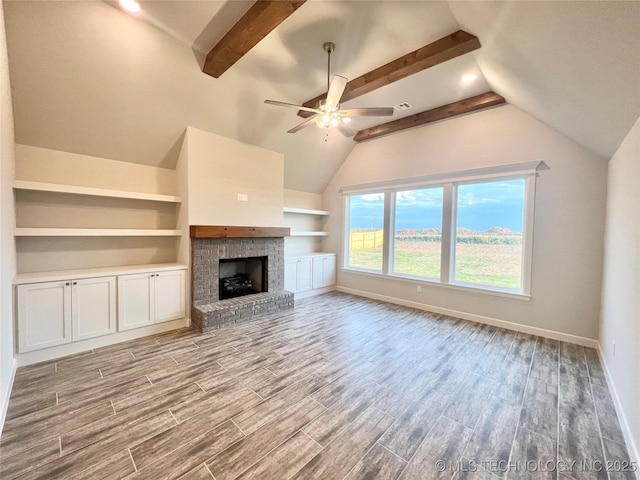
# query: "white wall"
x,y
55,166
219,169
620,320
299,199
569,213
7,248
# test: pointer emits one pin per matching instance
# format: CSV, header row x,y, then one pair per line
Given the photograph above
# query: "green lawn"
x,y
421,264
483,264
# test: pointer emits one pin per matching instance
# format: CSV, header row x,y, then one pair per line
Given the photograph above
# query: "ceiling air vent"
x,y
402,106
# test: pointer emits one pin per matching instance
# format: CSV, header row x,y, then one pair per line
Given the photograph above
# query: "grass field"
x,y
491,264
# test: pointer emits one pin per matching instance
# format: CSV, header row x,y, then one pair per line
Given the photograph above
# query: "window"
x,y
418,232
470,229
488,235
365,237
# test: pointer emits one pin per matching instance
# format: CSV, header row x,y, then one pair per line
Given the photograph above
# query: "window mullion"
x,y
387,234
346,229
447,250
527,233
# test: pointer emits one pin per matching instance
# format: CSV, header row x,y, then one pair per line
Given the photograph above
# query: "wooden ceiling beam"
x,y
263,17
447,48
472,104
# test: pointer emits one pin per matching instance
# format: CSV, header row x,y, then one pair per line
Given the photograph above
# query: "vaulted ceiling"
x,y
89,78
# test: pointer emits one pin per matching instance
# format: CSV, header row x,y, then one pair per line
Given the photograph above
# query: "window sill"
x,y
425,282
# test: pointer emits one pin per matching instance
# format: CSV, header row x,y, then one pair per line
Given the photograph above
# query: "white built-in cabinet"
x,y
310,273
324,271
44,318
93,307
54,308
307,271
148,298
298,274
58,312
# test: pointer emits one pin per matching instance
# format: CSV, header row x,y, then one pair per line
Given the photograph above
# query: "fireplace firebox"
x,y
242,276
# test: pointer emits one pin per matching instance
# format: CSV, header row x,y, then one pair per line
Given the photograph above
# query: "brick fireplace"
x,y
212,244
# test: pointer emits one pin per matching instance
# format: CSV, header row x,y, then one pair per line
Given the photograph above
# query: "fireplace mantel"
x,y
216,231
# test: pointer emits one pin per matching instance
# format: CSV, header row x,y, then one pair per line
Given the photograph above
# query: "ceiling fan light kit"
x,y
327,113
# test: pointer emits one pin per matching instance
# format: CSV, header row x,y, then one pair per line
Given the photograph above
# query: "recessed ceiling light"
x,y
130,5
469,77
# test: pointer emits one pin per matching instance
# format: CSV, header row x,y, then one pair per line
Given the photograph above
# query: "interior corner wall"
x,y
620,317
220,169
299,199
569,216
184,242
7,222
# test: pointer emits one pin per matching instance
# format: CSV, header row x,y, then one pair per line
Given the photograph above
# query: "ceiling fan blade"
x,y
367,112
291,105
309,121
338,84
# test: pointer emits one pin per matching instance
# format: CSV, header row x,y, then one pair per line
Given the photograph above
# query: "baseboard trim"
x,y
634,453
314,292
6,395
29,358
517,327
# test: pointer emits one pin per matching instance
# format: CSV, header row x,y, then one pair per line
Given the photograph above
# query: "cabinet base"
x,y
59,351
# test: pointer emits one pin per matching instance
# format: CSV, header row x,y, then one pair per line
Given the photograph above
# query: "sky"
x,y
480,207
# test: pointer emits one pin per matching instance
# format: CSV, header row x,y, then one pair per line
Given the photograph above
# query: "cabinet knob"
x,y
75,283
67,284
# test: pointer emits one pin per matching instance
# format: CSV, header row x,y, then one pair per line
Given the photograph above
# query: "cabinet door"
x,y
135,300
169,295
290,275
324,271
303,274
318,272
329,270
44,315
93,307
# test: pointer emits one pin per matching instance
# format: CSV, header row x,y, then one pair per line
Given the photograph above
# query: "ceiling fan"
x,y
328,114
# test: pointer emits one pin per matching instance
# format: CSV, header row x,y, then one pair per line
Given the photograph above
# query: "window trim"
x,y
526,170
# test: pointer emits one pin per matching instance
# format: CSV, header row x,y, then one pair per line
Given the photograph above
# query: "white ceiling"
x,y
89,78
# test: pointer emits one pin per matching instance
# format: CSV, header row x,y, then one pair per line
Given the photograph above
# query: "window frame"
x,y
449,182
346,235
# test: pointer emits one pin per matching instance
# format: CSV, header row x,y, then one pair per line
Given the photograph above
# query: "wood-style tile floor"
x,y
340,388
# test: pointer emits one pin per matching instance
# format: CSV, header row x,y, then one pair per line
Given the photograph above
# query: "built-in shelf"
x,y
95,232
97,192
309,234
305,211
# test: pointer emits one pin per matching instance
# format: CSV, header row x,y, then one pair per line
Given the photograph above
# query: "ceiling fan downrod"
x,y
329,47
